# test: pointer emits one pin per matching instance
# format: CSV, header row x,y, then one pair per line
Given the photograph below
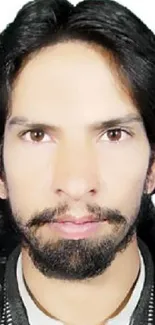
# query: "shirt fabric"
x,y
36,316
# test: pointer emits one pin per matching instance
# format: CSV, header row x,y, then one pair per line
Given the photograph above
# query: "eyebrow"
x,y
115,122
25,122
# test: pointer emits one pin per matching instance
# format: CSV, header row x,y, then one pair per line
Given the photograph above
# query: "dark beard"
x,y
75,259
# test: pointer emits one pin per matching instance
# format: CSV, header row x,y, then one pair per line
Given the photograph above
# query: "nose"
x,y
76,173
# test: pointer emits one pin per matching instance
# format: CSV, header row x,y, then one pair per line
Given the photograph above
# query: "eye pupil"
x,y
37,135
114,135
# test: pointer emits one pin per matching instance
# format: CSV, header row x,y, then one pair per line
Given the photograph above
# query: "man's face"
x,y
74,178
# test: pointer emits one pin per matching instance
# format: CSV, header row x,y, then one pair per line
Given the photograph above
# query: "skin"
x,y
72,87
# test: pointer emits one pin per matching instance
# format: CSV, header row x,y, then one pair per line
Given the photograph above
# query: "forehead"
x,y
67,79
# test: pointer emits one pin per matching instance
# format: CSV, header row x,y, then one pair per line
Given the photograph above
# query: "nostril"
x,y
93,191
58,191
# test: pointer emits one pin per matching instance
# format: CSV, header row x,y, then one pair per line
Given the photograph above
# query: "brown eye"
x,y
114,135
37,136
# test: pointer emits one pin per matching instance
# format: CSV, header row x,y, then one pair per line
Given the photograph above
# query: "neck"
x,y
87,302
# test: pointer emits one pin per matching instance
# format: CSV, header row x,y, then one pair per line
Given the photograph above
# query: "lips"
x,y
76,220
70,227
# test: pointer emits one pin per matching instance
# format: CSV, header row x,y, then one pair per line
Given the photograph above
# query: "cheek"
x,y
29,173
123,173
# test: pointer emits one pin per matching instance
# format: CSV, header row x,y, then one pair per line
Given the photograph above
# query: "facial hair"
x,y
69,259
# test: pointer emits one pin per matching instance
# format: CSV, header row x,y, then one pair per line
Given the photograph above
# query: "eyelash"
x,y
24,133
118,129
44,132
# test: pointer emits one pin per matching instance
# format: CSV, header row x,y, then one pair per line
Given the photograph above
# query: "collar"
x,y
125,315
36,316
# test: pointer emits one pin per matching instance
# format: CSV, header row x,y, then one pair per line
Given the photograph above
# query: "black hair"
x,y
42,23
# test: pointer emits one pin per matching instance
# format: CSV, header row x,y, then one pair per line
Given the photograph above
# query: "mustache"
x,y
99,215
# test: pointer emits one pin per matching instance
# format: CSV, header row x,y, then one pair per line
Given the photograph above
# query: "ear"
x,y
150,181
